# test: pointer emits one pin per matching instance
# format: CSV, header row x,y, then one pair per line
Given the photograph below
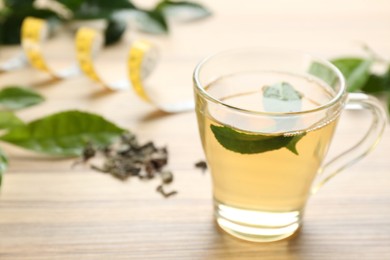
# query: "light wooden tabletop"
x,y
50,211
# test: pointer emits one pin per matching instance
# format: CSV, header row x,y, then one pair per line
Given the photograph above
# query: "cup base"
x,y
256,225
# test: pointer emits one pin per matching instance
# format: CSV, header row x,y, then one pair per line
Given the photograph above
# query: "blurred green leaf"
x,y
64,133
116,27
3,164
10,30
388,103
97,9
71,4
355,70
377,83
9,120
151,21
14,98
184,11
19,4
110,5
323,72
11,23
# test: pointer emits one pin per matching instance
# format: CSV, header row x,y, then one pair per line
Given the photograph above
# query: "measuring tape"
x,y
33,34
88,43
142,59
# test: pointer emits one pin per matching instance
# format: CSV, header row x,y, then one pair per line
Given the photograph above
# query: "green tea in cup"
x,y
266,120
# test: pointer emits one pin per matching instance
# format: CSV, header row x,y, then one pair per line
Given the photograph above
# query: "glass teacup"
x,y
266,119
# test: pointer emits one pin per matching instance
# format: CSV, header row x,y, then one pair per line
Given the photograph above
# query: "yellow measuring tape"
x,y
141,61
34,33
142,58
88,44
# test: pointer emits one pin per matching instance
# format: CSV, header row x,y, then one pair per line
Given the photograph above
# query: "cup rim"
x,y
201,88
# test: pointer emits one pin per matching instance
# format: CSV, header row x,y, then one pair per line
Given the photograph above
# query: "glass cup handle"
x,y
355,101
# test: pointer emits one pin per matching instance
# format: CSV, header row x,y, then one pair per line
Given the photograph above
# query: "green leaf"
x,y
11,23
96,9
9,120
72,5
184,11
292,145
114,31
388,103
111,4
19,4
323,72
64,133
14,98
355,70
151,21
243,143
377,83
10,30
3,164
281,91
281,97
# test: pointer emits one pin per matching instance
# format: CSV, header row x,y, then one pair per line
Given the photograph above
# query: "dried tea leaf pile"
x,y
130,158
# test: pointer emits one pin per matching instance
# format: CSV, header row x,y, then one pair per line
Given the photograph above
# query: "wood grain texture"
x,y
50,211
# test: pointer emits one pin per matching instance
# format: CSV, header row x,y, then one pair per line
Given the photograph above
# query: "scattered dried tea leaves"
x,y
88,152
166,177
202,165
128,158
160,189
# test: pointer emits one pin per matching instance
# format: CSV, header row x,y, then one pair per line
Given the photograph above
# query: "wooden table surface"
x,y
50,211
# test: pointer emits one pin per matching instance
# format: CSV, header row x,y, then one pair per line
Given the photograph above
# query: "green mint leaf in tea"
x,y
281,91
292,145
281,97
251,143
